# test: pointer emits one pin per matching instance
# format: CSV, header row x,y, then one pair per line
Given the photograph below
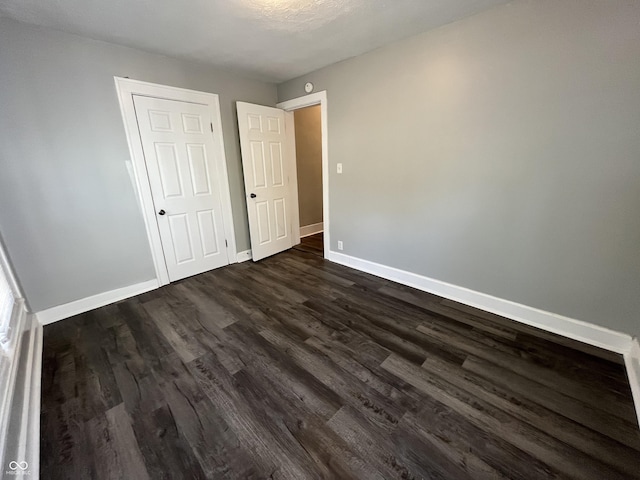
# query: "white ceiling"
x,y
273,40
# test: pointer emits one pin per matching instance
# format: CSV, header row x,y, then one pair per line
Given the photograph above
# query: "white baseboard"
x,y
311,229
568,327
632,362
244,256
83,305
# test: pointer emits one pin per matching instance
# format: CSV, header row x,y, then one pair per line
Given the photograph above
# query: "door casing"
x,y
126,88
319,98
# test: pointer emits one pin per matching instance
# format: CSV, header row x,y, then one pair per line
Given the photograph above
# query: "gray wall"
x,y
309,164
499,153
69,213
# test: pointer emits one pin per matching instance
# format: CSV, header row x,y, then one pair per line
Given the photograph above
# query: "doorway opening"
x,y
308,140
309,114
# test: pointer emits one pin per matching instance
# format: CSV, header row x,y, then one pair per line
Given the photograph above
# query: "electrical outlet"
x,y
340,246
339,168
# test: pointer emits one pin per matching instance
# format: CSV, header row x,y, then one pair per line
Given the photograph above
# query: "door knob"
x,y
253,195
161,212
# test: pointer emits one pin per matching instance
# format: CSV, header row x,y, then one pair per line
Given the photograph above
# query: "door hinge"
x,y
226,244
211,127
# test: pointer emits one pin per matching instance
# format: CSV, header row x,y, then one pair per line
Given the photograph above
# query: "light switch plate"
x,y
339,168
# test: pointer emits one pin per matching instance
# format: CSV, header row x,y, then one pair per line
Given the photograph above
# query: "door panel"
x,y
180,237
168,167
207,226
199,170
178,149
280,209
266,178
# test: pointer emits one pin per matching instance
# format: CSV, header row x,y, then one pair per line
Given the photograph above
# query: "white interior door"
x,y
267,164
179,154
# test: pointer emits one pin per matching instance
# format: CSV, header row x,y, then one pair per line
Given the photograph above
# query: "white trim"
x,y
28,443
244,256
4,265
54,314
9,364
290,130
21,412
319,98
126,88
18,304
33,443
311,229
568,327
632,362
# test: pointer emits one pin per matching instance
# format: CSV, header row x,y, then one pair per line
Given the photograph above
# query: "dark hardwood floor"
x,y
313,244
296,368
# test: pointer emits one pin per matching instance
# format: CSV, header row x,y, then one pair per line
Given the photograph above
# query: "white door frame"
x,y
319,98
126,88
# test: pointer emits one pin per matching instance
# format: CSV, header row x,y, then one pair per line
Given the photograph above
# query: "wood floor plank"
x,y
556,400
367,441
169,323
268,449
64,436
459,453
207,310
347,424
605,400
115,448
369,402
295,367
60,374
284,423
268,286
96,386
557,455
327,448
483,453
616,454
166,451
421,455
535,332
150,344
434,305
215,445
416,342
367,370
283,376
235,298
321,277
362,325
346,324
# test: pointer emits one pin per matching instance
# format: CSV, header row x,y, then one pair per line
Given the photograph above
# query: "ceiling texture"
x,y
271,40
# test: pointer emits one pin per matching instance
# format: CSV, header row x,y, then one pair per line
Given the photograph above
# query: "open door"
x,y
269,165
